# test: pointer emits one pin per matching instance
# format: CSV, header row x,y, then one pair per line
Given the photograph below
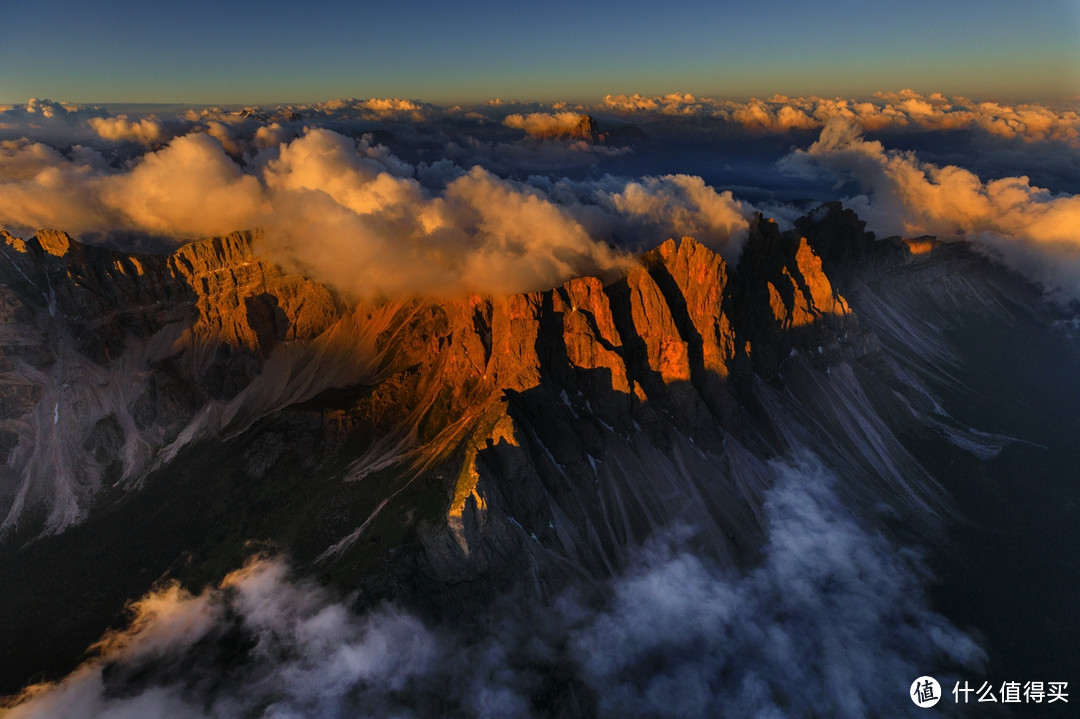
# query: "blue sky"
x,y
274,51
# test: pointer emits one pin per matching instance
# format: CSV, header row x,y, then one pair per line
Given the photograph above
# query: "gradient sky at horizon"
x,y
274,51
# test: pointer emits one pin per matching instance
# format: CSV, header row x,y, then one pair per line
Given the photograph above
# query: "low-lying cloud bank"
x,y
906,109
354,215
892,110
463,202
832,622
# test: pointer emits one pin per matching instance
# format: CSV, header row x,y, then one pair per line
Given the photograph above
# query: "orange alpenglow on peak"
x,y
921,245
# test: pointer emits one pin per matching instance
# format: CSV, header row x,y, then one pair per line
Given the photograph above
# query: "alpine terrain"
x,y
790,484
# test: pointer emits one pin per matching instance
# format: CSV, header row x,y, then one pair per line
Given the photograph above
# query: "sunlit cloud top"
x,y
394,196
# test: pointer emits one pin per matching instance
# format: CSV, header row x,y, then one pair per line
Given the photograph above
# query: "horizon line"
x,y
494,102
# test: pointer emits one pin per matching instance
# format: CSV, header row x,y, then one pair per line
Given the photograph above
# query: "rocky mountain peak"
x,y
586,129
215,323
16,243
54,242
418,447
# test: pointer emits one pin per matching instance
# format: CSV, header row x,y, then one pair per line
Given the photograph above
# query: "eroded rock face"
x,y
415,448
246,302
143,341
185,344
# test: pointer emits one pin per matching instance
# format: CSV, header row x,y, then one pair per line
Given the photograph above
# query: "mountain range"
x,y
169,417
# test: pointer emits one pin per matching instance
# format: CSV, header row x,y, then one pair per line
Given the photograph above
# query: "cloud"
x,y
528,156
522,235
405,220
395,108
375,109
545,125
671,104
272,135
826,625
353,214
146,131
346,220
346,211
325,161
897,111
41,187
60,124
757,115
679,205
48,108
833,621
300,653
1032,228
55,123
350,220
188,189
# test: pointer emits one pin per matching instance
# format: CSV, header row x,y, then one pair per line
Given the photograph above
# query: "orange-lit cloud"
x,y
548,125
146,131
1035,230
40,187
679,205
897,110
346,212
272,135
189,188
348,220
48,108
354,213
376,108
306,652
672,104
521,237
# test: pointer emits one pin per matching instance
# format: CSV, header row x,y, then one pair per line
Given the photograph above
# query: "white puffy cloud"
x,y
346,218
1036,231
40,187
188,189
679,205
